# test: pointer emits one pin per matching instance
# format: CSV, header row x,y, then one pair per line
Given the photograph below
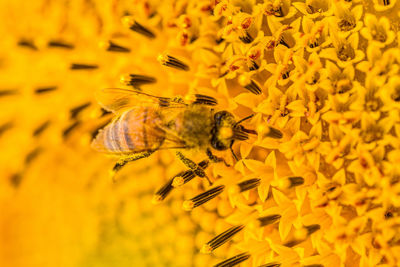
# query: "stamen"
x,y
202,198
246,185
302,234
32,155
247,38
6,126
39,130
271,264
67,131
8,92
221,239
270,219
235,260
205,100
136,80
312,228
74,112
172,62
386,2
28,44
273,133
16,179
137,27
59,44
253,87
113,47
249,84
42,90
78,66
254,66
163,192
290,182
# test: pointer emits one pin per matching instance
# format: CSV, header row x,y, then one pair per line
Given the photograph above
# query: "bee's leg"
x,y
214,158
123,161
198,170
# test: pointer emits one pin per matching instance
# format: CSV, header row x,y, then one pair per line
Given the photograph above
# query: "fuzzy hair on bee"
x,y
146,123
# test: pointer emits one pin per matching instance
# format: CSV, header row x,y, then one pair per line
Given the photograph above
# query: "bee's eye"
x,y
220,115
218,145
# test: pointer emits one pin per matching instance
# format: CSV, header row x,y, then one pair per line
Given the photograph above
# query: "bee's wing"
x,y
119,99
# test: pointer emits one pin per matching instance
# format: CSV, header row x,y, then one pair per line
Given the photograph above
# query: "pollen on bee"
x,y
221,239
202,198
225,132
172,62
235,260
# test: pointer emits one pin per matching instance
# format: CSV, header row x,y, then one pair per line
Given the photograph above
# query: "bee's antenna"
x,y
242,120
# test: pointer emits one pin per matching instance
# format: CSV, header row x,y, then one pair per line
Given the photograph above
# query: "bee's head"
x,y
226,130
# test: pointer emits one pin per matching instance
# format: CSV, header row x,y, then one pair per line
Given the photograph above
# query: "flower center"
x,y
345,52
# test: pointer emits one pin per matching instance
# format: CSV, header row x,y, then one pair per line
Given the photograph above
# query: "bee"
x,y
146,123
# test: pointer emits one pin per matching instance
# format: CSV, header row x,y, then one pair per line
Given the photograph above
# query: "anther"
x,y
202,198
267,220
254,66
137,80
172,62
42,90
74,112
113,47
205,100
28,44
32,155
235,260
6,126
163,192
78,66
221,239
8,92
249,84
40,129
271,264
246,185
290,182
273,133
137,27
247,38
67,131
59,44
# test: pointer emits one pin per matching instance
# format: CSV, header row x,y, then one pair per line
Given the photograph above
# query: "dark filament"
x,y
235,260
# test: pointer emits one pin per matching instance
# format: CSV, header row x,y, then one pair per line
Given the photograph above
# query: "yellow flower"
x,y
345,52
377,32
316,183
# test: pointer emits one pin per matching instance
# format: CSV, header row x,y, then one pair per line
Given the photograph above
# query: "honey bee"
x,y
146,123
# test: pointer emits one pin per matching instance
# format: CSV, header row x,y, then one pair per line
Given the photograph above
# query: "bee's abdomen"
x,y
136,130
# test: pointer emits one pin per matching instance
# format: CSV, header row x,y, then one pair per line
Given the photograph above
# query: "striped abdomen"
x,y
136,130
